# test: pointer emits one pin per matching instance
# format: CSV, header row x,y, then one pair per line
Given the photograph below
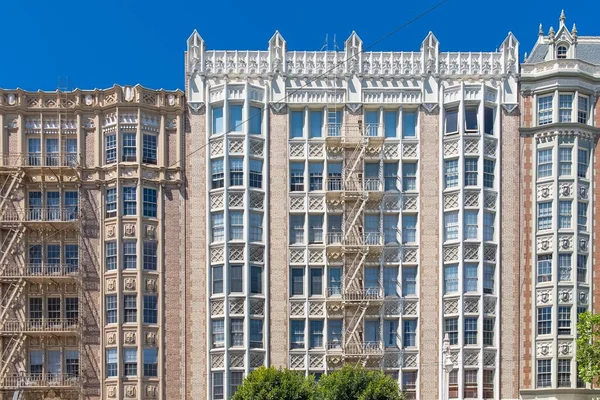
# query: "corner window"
x,y
582,110
545,110
565,107
544,265
235,118
545,215
256,167
451,121
149,146
110,149
471,120
296,177
255,120
217,279
129,201
218,176
256,280
236,172
565,156
544,320
217,120
256,333
582,163
488,120
218,333
297,282
451,225
544,165
111,202
451,173
150,259
451,328
129,147
149,203
451,279
488,173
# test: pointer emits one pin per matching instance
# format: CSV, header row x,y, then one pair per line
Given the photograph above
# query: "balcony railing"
x,y
364,348
353,130
41,325
335,345
50,160
69,214
41,270
372,293
334,292
367,239
17,381
338,184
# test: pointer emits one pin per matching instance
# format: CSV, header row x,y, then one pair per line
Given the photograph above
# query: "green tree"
x,y
588,347
355,383
273,384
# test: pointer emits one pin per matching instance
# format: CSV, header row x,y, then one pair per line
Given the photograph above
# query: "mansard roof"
x,y
586,51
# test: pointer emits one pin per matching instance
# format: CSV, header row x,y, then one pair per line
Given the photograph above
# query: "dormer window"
x,y
561,52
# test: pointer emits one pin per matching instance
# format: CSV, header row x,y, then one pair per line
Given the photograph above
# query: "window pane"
x,y
390,121
451,121
297,124
545,110
409,124
255,120
316,124
217,120
235,118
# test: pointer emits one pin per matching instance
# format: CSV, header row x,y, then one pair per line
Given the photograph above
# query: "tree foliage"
x,y
272,384
588,346
349,383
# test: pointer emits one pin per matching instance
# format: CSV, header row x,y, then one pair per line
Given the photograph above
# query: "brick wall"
x,y
430,261
278,234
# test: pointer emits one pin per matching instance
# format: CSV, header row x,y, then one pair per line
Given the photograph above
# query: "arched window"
x,y
561,52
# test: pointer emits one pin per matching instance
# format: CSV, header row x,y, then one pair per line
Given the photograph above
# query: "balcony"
x,y
41,271
374,348
353,133
42,215
55,326
53,160
368,185
24,381
338,239
368,294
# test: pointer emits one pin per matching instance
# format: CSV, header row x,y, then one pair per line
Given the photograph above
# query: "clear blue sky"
x,y
100,43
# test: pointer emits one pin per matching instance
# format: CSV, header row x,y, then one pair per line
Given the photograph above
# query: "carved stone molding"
x,y
279,108
150,339
430,107
129,230
129,284
130,337
510,108
196,108
354,108
111,338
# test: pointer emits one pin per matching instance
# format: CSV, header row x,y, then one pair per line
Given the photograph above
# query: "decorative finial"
x,y
551,32
541,31
525,56
574,30
562,17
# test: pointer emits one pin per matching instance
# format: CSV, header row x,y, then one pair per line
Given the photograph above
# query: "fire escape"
x,y
21,223
357,244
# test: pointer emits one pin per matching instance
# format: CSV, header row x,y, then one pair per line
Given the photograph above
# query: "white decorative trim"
x,y
195,108
278,107
510,108
354,108
430,107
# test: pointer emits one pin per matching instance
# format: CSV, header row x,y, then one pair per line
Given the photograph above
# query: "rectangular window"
x,y
544,265
129,201
450,279
451,173
237,332
390,281
544,320
488,173
565,107
470,389
256,333
217,279
129,255
297,281
451,328
51,152
218,176
409,333
488,120
471,226
256,227
297,124
565,155
470,331
390,119
409,124
471,171
72,257
236,172
218,333
371,123
451,225
390,176
112,363
489,273
545,215
582,268
315,171
564,373
316,281
316,334
256,279
334,333
34,148
53,308
451,121
582,163
53,256
470,283
488,331
334,176
334,285
149,146
235,381
390,332
564,320
236,225
110,149
316,124
409,281
72,363
149,202
218,227
409,177
564,214
372,279
150,258
315,229
471,120
297,177
582,209
111,202
150,362
150,309
53,204
256,167
453,384
544,373
296,229
544,164
255,121
390,228
582,110
111,309
129,149
297,334
488,226
130,308
236,279
564,267
235,118
488,383
217,386
544,110
217,120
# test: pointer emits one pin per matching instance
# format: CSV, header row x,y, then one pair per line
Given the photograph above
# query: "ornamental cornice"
x,y
553,130
557,67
